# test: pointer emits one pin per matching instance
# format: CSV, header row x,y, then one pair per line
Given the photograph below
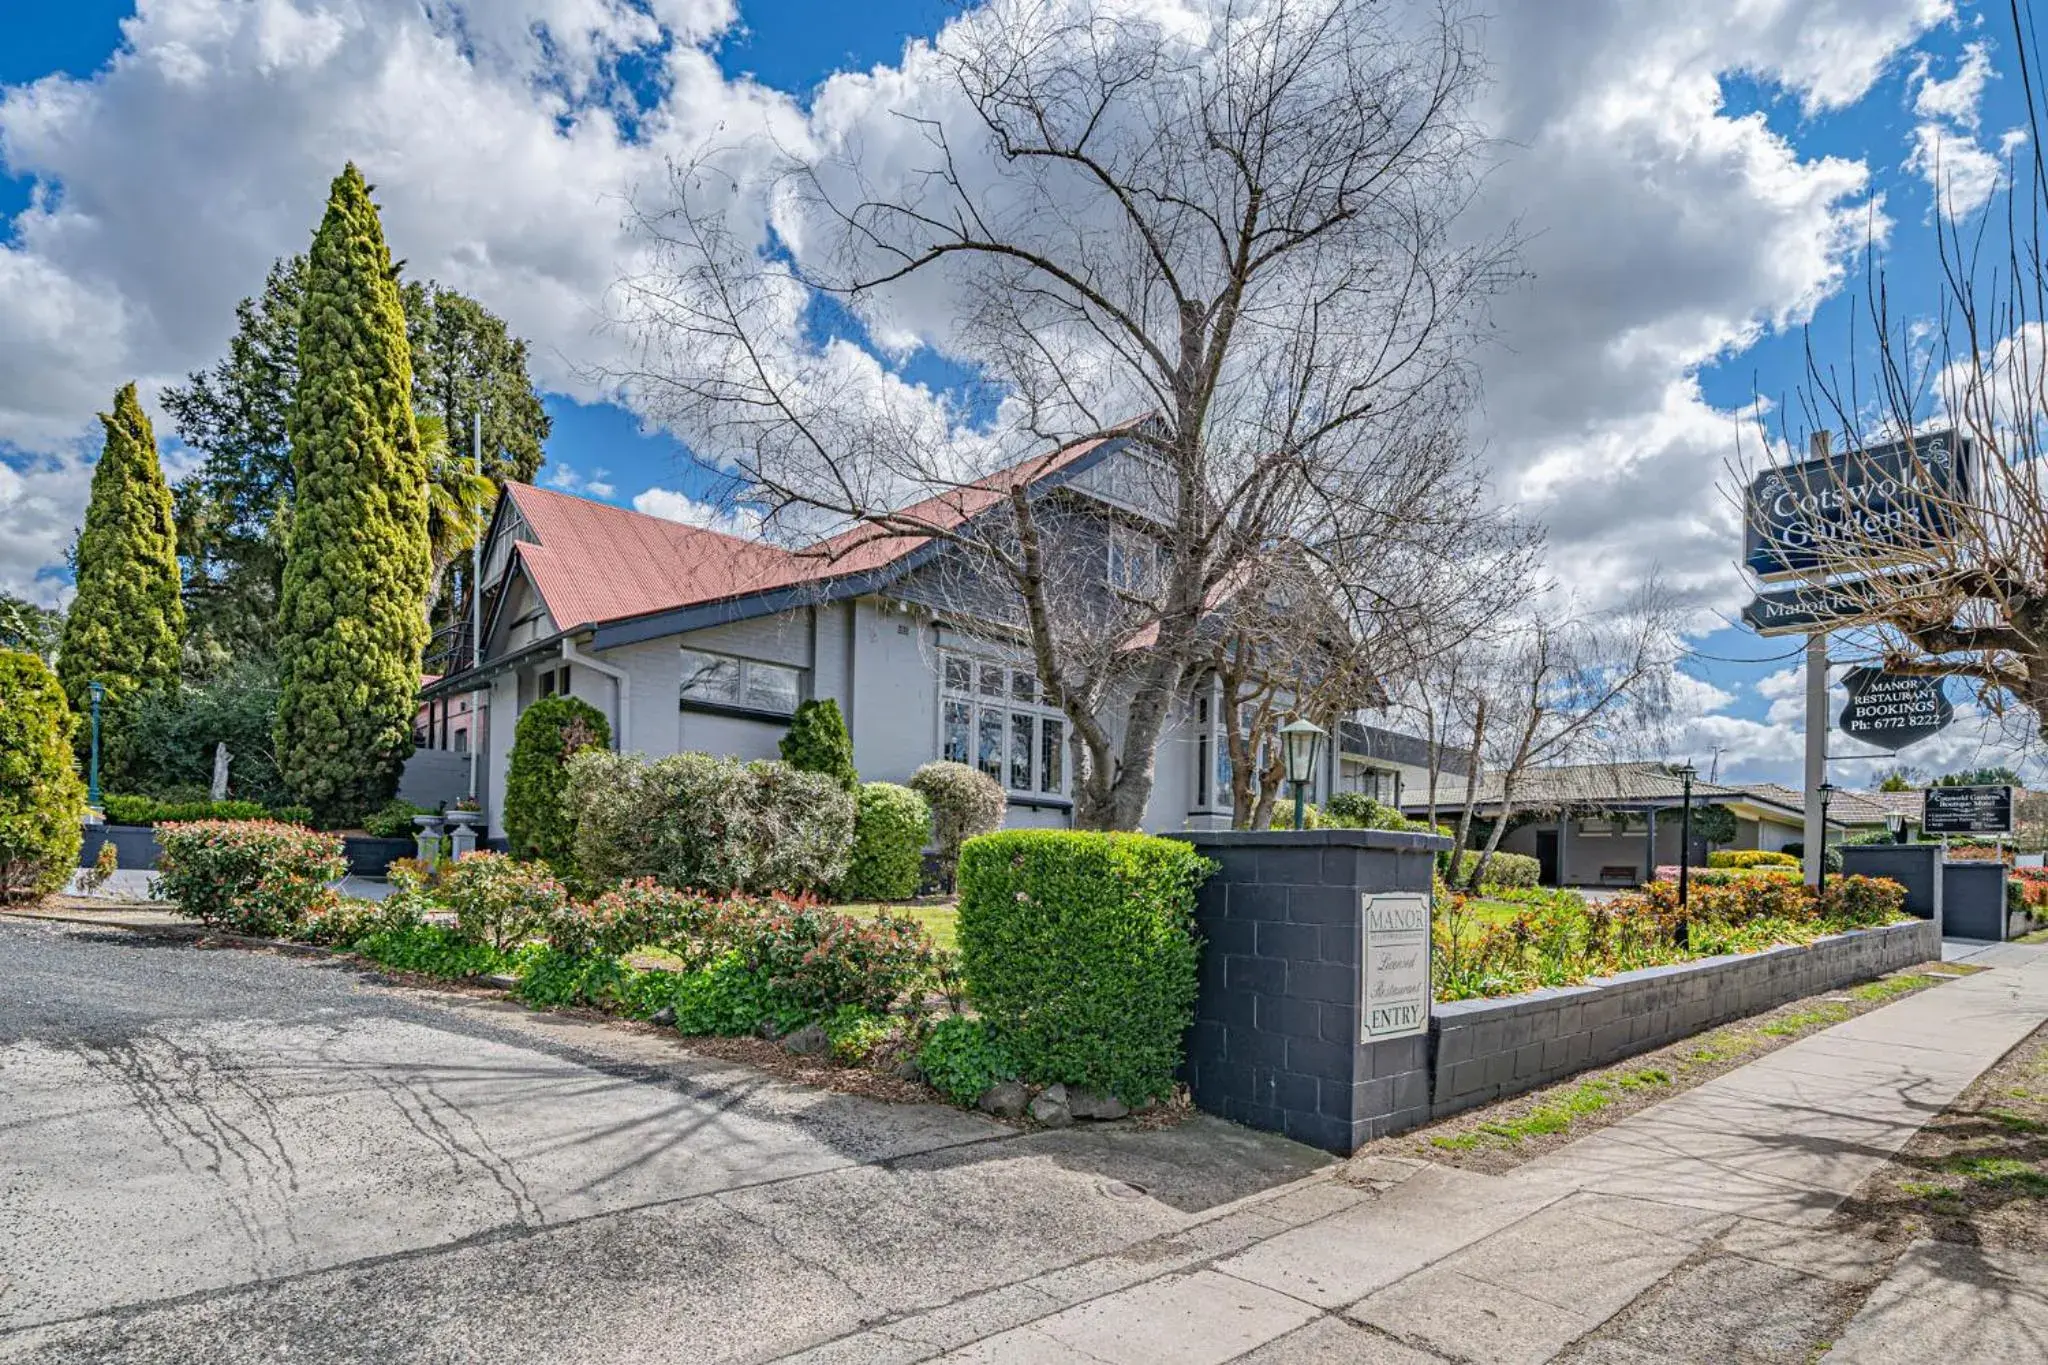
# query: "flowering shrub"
x,y
1725,876
498,902
821,961
253,876
1561,940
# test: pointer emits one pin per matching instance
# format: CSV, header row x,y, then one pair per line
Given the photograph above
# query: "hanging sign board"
x,y
1395,1002
1892,710
1855,511
1806,609
1967,810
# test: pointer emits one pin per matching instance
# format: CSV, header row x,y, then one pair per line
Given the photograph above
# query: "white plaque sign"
x,y
1396,965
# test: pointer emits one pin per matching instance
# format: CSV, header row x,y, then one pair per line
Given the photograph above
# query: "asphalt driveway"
x,y
228,1155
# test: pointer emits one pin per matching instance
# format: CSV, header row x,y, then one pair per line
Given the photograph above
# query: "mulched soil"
x,y
1501,1136
1978,1173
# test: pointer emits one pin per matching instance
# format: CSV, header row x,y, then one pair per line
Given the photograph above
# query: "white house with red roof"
x,y
691,639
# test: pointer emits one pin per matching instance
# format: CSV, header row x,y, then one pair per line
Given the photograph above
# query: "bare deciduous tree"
x,y
1240,224
1562,687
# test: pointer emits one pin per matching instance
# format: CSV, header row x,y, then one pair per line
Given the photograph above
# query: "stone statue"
x,y
220,771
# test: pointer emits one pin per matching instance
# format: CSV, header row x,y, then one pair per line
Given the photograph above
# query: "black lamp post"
x,y
98,690
1827,790
1303,742
1685,776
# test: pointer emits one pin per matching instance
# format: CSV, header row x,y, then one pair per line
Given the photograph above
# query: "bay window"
x,y
993,716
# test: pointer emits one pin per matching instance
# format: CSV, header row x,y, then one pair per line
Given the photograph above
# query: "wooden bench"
x,y
1620,874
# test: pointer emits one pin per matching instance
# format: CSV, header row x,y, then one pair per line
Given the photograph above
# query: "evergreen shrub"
x,y
1751,857
42,800
964,802
251,876
549,733
817,742
498,901
891,826
1079,949
707,823
1502,869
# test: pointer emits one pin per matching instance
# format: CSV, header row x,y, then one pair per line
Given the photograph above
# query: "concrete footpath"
x,y
1694,1230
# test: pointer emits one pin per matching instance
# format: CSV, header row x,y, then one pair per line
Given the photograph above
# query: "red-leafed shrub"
x,y
820,961
252,876
500,903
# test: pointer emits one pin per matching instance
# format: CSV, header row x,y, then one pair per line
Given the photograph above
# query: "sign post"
x,y
1815,861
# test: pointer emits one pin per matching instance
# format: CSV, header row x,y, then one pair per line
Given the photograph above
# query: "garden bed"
x,y
1489,1048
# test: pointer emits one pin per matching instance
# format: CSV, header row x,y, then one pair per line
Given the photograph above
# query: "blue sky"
x,y
1613,523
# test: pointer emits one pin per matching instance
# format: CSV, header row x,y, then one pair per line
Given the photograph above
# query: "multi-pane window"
x,y
994,717
1133,562
1212,752
718,680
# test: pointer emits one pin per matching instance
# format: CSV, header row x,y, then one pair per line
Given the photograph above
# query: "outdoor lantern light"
x,y
1303,741
1685,776
1827,790
1895,821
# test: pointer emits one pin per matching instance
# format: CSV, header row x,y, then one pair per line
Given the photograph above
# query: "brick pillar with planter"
x,y
1280,1034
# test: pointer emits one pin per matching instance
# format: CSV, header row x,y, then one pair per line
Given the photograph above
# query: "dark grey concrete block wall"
x,y
1276,1040
1486,1049
1913,866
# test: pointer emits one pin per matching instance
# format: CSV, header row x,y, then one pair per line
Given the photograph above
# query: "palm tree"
x,y
457,496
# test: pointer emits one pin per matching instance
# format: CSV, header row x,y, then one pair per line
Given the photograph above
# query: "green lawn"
x,y
940,921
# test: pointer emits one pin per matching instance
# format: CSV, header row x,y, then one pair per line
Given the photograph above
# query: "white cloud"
x,y
1663,233
673,506
1961,171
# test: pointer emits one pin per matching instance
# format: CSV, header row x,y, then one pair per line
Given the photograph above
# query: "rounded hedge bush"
x,y
253,876
550,732
42,800
964,802
1502,869
1079,949
891,826
706,823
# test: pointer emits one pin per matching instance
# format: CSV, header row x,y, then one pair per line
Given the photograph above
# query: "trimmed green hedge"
x,y
549,733
1079,949
817,742
1502,869
148,810
891,826
1750,857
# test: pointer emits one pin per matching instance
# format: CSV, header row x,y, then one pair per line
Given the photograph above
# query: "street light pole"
x,y
98,689
1685,776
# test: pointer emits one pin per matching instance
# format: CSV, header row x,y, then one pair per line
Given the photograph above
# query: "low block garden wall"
x,y
1483,1050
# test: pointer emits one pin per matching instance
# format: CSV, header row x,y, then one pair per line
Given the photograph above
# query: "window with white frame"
x,y
1212,752
993,716
721,680
1133,562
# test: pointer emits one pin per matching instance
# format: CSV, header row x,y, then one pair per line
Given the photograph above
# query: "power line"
x,y
1792,653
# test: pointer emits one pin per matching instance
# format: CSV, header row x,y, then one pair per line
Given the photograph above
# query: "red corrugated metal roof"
x,y
596,562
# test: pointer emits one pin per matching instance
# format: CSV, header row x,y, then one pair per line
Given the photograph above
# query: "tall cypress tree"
x,y
125,625
352,623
